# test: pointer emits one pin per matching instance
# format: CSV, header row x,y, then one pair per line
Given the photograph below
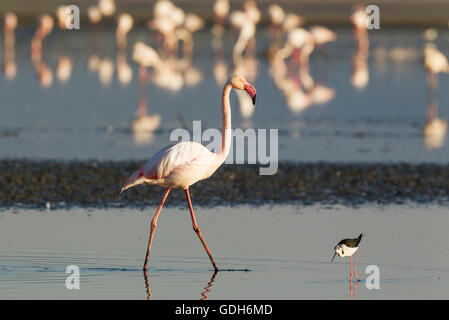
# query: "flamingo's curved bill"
x,y
251,91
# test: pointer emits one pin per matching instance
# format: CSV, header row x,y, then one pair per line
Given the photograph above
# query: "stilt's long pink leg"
x,y
196,228
355,266
350,289
350,268
153,227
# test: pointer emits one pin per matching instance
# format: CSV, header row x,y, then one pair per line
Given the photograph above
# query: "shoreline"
x,y
96,184
393,12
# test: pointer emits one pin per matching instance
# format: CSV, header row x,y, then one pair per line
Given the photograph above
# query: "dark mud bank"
x,y
56,184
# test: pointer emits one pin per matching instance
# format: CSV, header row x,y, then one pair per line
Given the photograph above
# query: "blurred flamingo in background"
x,y
360,74
221,11
44,29
360,20
107,7
182,164
281,21
124,25
435,62
44,73
322,35
65,64
61,15
246,22
94,14
10,66
277,16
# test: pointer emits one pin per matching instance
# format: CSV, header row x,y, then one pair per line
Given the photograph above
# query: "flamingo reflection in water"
x,y
124,25
435,128
360,75
144,125
244,53
204,294
221,11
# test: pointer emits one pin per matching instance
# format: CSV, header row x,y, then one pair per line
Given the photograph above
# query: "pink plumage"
x,y
177,166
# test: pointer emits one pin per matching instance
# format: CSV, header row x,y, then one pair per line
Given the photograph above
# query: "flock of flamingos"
x,y
288,55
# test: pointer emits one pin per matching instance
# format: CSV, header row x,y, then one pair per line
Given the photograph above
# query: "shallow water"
x,y
84,119
287,250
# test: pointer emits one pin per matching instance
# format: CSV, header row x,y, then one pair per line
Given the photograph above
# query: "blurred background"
x,y
335,90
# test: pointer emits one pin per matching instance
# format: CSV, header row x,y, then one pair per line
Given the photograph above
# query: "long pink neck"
x,y
226,124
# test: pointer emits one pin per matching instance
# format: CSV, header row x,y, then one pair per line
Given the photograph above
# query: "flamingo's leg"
x,y
153,227
436,81
355,266
147,284
196,228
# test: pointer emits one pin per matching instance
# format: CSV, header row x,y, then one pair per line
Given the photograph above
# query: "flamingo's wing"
x,y
178,165
183,158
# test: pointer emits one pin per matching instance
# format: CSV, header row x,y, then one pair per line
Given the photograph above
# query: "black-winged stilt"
x,y
346,248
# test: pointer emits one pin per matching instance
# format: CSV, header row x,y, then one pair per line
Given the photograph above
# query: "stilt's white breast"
x,y
348,251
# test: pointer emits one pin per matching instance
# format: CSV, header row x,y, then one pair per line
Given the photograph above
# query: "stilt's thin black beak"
x,y
333,257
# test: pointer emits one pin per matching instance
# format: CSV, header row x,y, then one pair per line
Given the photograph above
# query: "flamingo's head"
x,y
239,83
136,178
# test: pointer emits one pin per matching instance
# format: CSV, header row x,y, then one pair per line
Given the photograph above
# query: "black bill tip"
x,y
254,100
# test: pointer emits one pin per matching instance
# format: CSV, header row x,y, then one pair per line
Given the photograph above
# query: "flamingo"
x,y
10,66
280,21
124,25
107,7
62,15
322,35
435,62
360,20
221,10
182,164
94,14
277,16
43,71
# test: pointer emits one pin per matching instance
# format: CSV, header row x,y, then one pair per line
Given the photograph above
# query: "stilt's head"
x,y
239,83
338,250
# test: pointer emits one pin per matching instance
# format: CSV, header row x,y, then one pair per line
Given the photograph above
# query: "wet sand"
x,y
286,248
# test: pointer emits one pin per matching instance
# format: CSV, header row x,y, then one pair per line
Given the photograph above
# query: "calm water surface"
x,y
286,248
84,118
